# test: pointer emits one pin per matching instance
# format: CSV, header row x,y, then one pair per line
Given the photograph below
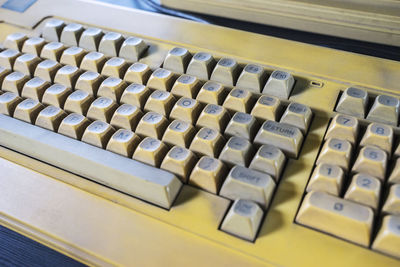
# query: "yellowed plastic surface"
x,y
100,226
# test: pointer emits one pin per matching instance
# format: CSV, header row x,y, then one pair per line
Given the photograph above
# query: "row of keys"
x,y
228,72
354,102
265,107
93,39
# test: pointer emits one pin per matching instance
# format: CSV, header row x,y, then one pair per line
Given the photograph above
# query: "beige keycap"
x,y
15,41
179,133
150,151
152,124
177,60
213,116
90,39
285,137
78,102
98,133
160,102
326,178
251,78
3,73
137,73
186,86
248,184
8,103
298,115
8,57
89,82
364,189
115,67
93,61
35,88
50,118
26,64
237,151
392,203
123,142
208,142
372,161
52,51
239,100
56,95
126,116
110,44
379,135
52,29
339,217
186,109
226,71
388,238
343,127
73,126
336,151
385,109
201,65
102,109
270,160
133,48
211,93
266,108
353,102
135,94
179,161
47,70
67,75
279,84
72,56
14,82
395,174
161,79
242,125
112,88
243,219
28,110
208,174
33,46
71,33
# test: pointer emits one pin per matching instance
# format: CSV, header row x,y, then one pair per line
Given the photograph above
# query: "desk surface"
x,y
17,250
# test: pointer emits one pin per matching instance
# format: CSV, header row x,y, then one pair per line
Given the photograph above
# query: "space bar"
x,y
123,174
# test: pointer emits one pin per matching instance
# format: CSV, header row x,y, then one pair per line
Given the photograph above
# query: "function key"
x,y
279,84
226,71
90,39
177,60
52,29
353,102
110,44
385,109
243,219
71,33
132,48
15,41
201,65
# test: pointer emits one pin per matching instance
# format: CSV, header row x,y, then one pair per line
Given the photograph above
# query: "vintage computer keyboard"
x,y
130,138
